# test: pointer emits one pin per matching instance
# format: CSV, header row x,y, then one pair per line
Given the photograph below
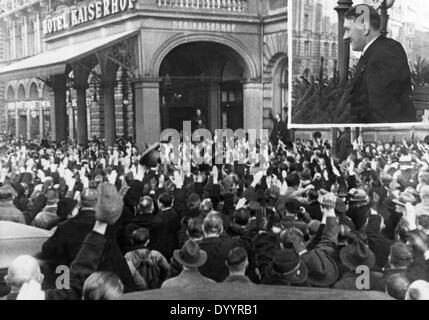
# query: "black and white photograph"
x,y
208,157
360,62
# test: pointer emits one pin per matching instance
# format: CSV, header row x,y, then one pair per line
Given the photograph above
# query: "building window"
x,y
307,48
326,50
18,41
306,22
30,37
334,49
278,4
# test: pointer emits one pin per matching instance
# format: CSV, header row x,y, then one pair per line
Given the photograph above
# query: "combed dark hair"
x,y
140,236
166,199
236,257
195,228
374,17
241,217
397,286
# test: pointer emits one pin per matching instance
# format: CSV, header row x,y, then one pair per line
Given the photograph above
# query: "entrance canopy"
x,y
55,61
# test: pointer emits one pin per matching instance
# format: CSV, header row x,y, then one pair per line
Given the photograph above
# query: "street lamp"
x,y
384,7
343,45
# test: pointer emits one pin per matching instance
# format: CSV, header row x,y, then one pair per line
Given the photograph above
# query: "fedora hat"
x,y
151,157
404,198
190,255
357,254
322,269
358,195
287,265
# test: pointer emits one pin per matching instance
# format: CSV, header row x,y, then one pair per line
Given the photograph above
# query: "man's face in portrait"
x,y
356,32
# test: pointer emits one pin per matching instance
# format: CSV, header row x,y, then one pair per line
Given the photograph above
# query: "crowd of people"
x,y
310,219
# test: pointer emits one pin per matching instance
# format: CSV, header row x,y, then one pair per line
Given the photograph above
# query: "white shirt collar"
x,y
369,44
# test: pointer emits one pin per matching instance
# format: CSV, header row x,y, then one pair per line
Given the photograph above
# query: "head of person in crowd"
x,y
140,237
102,286
293,180
193,205
292,238
165,201
312,196
206,207
423,223
397,285
418,290
274,224
191,257
52,197
401,256
237,261
7,194
147,205
357,254
23,269
286,268
67,208
212,226
88,198
194,229
241,217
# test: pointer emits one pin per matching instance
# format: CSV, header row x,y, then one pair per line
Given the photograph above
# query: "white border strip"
x,y
407,125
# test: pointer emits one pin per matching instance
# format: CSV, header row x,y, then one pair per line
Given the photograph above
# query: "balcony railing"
x,y
222,5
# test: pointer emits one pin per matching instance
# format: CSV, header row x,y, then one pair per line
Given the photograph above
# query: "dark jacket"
x,y
87,262
349,281
217,250
63,246
237,279
314,210
382,85
378,244
163,235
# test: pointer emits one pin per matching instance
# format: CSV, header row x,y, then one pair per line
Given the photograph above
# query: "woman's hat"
x,y
190,255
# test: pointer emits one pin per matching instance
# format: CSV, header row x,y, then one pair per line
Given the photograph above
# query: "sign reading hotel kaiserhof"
x,y
75,16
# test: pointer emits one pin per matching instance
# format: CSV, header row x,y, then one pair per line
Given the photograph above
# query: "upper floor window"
x,y
306,22
307,48
278,4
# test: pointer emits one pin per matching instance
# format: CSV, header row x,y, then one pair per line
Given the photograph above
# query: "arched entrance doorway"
x,y
206,76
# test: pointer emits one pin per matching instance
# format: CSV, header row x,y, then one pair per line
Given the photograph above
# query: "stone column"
x,y
82,117
58,108
28,123
214,106
109,112
252,105
16,120
70,113
81,84
148,118
108,75
41,120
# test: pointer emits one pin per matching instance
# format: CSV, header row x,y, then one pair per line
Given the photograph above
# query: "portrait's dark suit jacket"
x,y
382,85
